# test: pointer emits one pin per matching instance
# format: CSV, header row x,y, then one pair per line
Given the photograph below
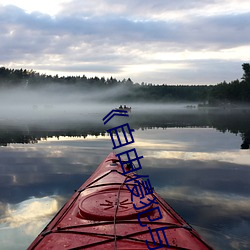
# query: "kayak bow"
x,y
101,215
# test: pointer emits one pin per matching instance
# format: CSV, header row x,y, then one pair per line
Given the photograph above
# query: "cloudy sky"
x,y
157,41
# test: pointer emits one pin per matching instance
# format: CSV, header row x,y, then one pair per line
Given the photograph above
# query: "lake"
x,y
198,160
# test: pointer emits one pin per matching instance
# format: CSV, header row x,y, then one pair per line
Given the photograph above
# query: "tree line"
x,y
236,91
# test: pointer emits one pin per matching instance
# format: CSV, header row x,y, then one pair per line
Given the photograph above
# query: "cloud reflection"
x,y
225,216
29,212
191,144
236,156
22,222
228,203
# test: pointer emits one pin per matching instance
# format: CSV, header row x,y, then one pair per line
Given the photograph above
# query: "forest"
x,y
224,93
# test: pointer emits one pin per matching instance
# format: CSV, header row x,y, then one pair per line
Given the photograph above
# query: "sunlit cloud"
x,y
224,54
46,6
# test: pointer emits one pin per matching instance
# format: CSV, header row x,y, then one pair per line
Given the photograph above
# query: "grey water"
x,y
198,160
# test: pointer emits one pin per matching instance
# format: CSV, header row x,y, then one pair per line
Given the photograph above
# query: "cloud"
x,y
95,38
149,9
116,30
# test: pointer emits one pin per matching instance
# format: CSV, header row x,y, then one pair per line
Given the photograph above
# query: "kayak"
x,y
107,212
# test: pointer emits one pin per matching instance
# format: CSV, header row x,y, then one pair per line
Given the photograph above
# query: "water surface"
x,y
194,160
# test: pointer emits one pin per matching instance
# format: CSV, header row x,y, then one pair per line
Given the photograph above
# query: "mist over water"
x,y
52,103
64,103
63,107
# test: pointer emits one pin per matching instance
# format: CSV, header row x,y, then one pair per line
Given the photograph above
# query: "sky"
x,y
153,41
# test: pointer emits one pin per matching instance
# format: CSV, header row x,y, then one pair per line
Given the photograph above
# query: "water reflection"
x,y
29,210
234,121
20,222
197,168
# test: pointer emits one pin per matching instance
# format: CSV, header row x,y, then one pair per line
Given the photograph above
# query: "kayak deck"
x,y
101,214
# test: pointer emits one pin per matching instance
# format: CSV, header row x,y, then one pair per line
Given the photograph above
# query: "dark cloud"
x,y
225,31
221,30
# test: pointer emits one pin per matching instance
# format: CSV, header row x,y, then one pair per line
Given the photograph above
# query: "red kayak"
x,y
106,212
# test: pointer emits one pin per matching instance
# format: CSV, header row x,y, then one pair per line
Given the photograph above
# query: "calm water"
x,y
193,158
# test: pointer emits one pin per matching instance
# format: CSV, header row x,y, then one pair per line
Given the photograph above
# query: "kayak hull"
x,y
101,214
